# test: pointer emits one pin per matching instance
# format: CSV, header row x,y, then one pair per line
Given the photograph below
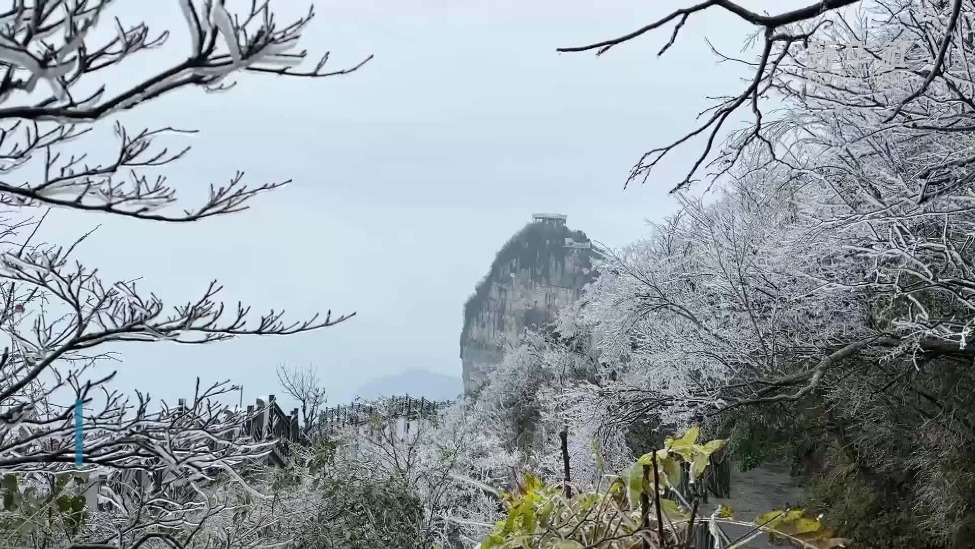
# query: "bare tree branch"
x,y
305,387
782,34
153,475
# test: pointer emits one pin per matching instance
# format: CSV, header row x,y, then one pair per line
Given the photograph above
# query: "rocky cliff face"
x,y
540,270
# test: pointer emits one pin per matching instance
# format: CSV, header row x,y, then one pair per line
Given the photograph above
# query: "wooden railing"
x,y
267,421
359,413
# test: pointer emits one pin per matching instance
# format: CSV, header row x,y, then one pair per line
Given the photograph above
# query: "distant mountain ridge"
x,y
415,383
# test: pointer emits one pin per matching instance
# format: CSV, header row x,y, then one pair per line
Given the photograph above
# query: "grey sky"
x,y
409,175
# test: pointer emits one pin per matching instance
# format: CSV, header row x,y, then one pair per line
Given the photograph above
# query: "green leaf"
x,y
671,471
545,514
673,511
31,496
63,504
9,482
698,464
493,540
633,478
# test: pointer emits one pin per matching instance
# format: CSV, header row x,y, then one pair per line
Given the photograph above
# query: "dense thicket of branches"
x,y
817,303
154,475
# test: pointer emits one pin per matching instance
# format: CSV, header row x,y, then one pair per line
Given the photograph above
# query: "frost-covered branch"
x,y
65,44
933,33
305,387
153,475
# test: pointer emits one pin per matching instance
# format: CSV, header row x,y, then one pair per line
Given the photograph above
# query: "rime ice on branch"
x,y
60,316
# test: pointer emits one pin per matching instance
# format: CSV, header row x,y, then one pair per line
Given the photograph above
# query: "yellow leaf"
x,y
713,446
804,525
529,520
546,513
725,511
687,439
531,484
770,518
794,514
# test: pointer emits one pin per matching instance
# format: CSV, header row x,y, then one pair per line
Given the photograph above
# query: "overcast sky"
x,y
408,175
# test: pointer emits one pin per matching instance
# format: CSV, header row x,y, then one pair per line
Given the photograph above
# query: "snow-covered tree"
x,y
60,316
829,277
305,387
453,465
553,386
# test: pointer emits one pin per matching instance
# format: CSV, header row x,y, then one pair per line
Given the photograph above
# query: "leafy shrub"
x,y
624,515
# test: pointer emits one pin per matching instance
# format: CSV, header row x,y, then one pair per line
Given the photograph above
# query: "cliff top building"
x,y
553,219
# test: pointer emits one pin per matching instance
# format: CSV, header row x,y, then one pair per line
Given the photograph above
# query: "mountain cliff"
x,y
541,269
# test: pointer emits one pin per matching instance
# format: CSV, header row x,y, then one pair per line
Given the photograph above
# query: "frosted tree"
x,y
581,440
58,315
451,464
901,192
714,298
305,387
548,398
832,270
883,156
508,402
871,162
465,469
804,32
900,179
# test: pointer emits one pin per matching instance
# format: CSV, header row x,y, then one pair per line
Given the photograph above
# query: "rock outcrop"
x,y
541,269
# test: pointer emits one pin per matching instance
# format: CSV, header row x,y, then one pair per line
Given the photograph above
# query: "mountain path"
x,y
754,493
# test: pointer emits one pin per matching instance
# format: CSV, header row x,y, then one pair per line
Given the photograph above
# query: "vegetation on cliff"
x,y
536,247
